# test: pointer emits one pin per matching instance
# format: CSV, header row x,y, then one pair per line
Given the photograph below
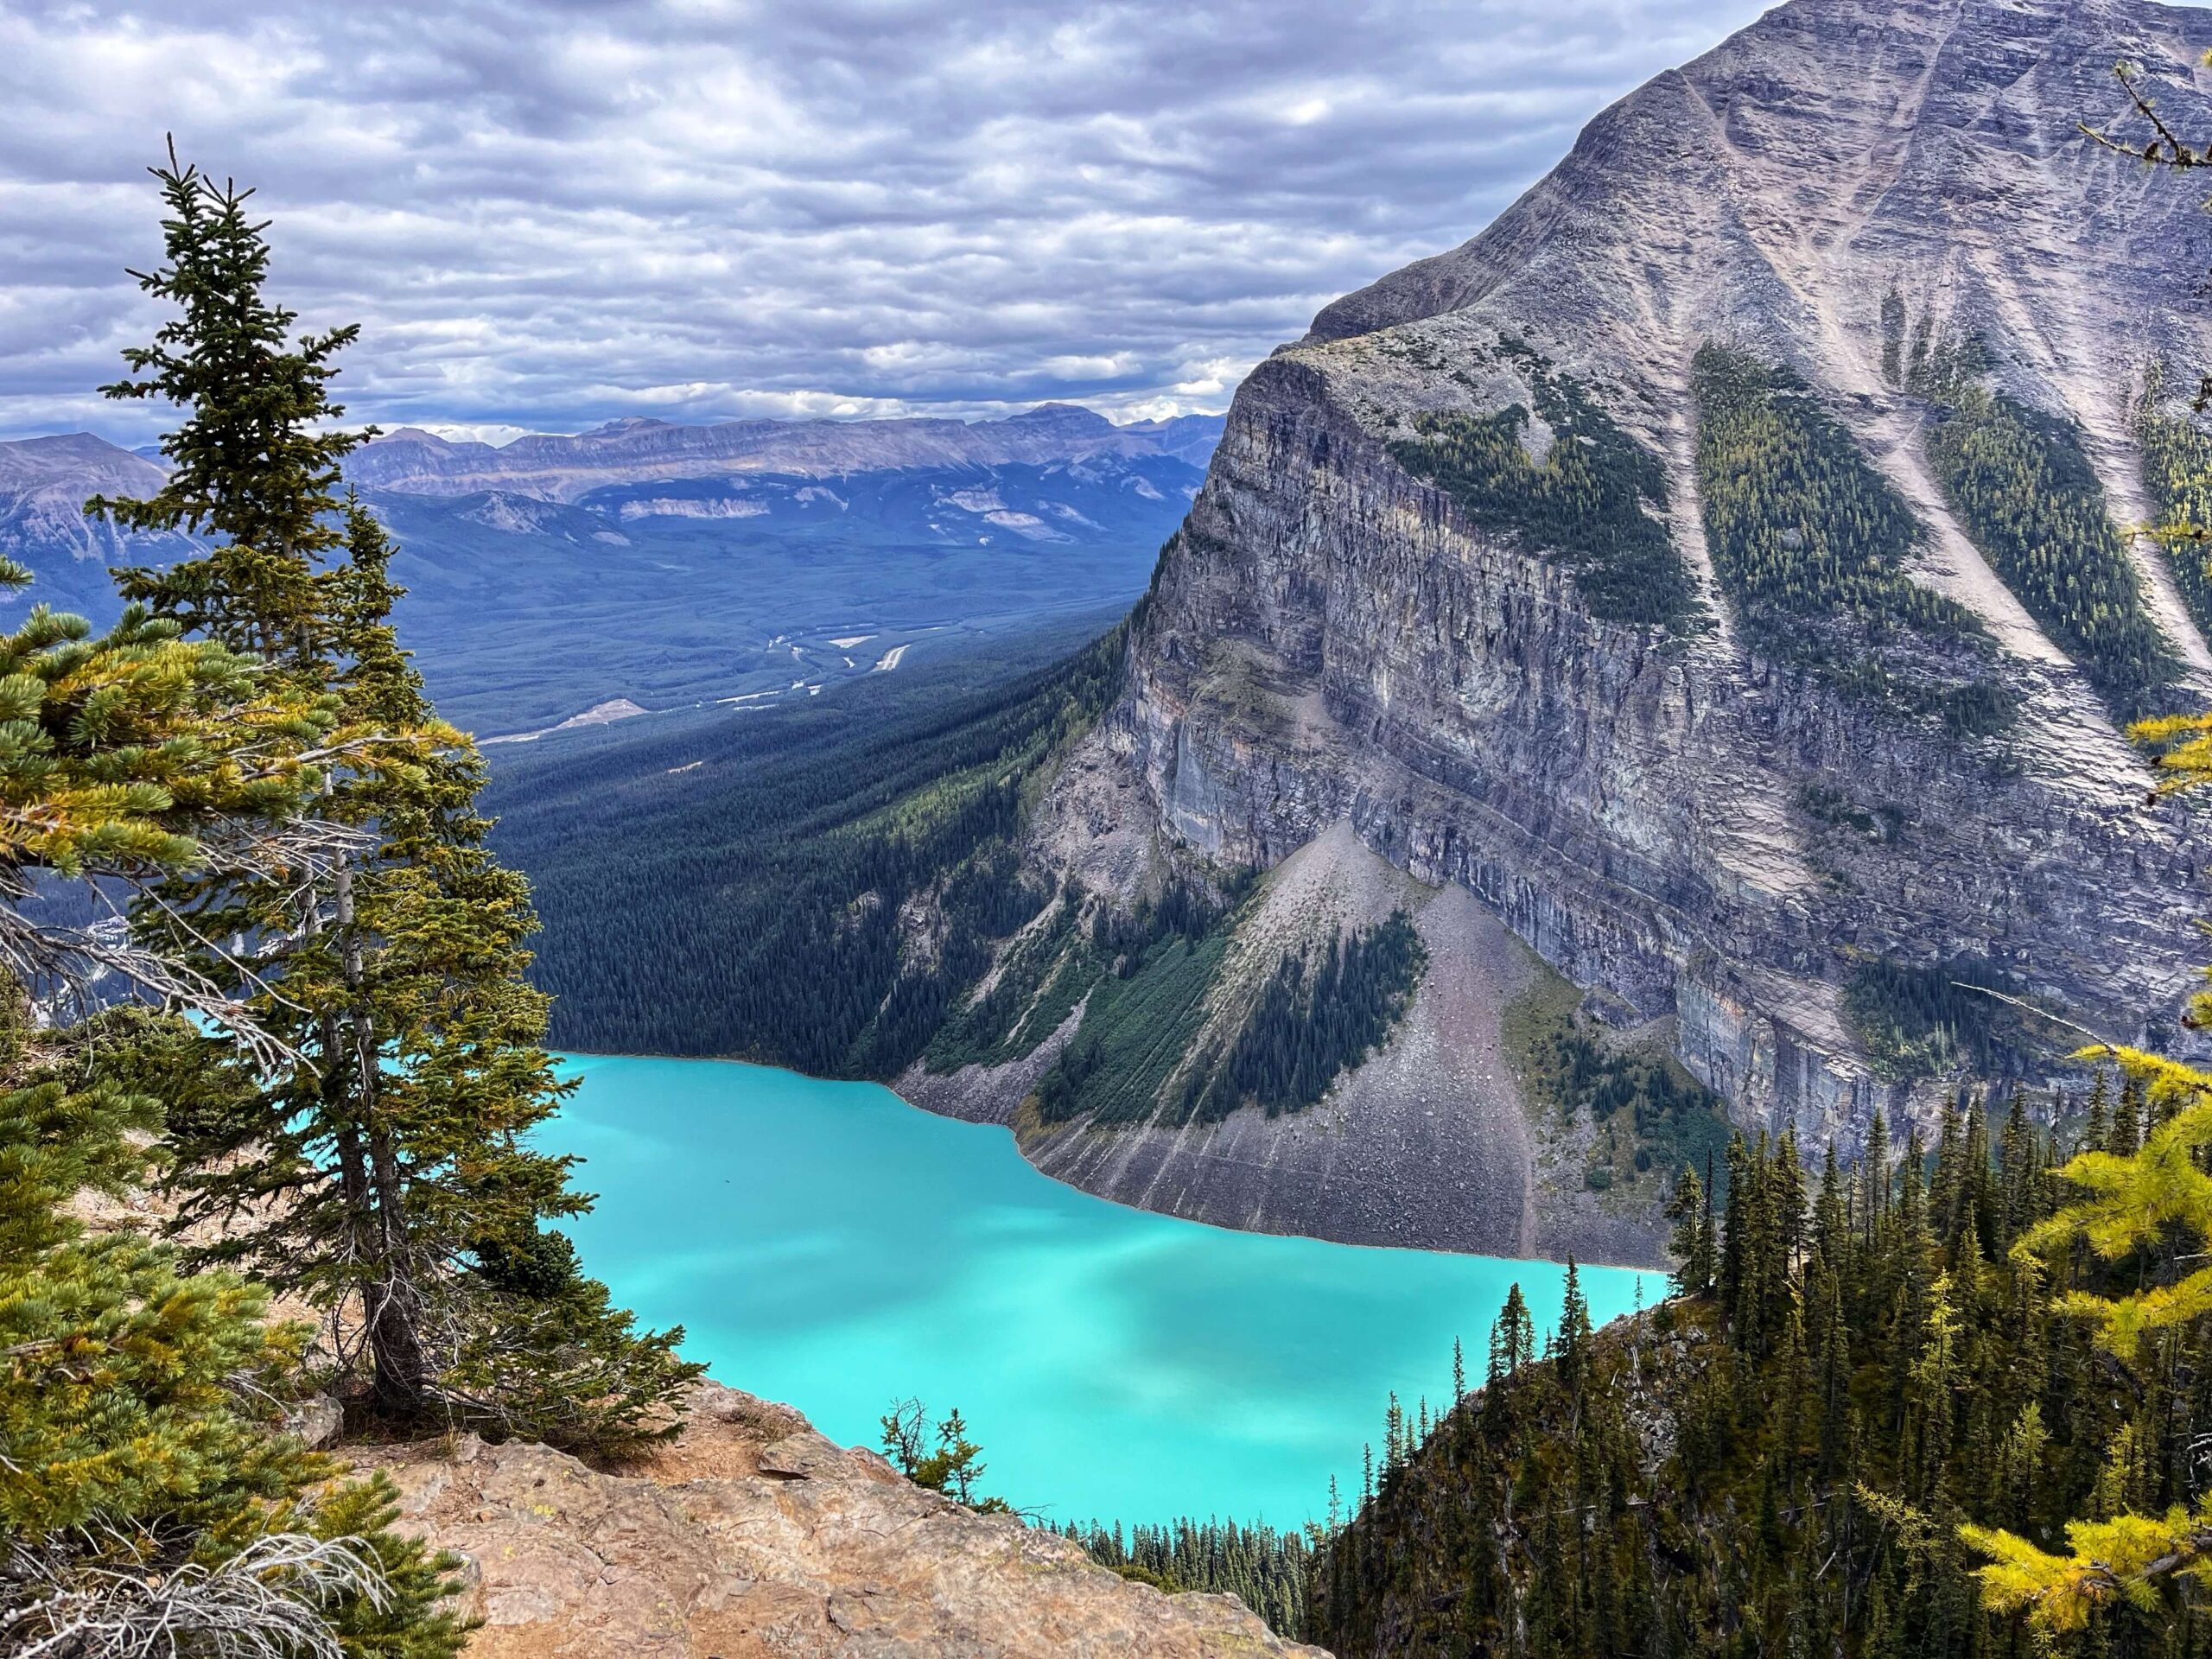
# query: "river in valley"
x,y
829,1245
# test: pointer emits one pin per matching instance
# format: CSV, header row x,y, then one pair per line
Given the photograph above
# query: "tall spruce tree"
x,y
385,1171
149,1502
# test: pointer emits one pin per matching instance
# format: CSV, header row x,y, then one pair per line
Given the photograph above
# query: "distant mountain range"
x,y
627,451
654,563
44,483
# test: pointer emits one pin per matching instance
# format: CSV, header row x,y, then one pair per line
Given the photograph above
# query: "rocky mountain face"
x,y
44,483
1554,569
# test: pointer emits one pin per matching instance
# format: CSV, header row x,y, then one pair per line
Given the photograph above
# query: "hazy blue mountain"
x,y
567,468
649,564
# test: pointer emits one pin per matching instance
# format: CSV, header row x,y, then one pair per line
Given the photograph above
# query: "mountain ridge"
x,y
559,468
669,565
1759,820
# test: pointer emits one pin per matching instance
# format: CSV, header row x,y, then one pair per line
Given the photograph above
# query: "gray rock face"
x,y
1632,806
44,483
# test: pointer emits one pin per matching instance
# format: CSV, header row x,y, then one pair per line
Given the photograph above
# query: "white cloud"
x,y
546,213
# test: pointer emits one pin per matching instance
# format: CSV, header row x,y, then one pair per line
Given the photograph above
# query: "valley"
x,y
1749,635
1541,996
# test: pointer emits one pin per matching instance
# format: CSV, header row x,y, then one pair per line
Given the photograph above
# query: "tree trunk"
x,y
374,1196
401,1358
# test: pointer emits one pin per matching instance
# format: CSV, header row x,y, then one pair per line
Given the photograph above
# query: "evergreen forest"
x,y
1588,494
1913,1404
2177,478
1926,1021
1138,1055
1813,546
797,840
2028,497
1649,1118
1267,1570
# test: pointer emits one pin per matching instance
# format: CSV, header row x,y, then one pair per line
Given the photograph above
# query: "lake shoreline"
x,y
830,1244
1646,1268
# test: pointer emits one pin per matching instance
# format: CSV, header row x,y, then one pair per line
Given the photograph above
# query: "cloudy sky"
x,y
548,213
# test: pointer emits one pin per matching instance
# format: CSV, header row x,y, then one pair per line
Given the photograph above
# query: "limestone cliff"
x,y
1676,813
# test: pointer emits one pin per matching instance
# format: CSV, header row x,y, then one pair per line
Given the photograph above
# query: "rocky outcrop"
x,y
1631,803
1709,839
752,1537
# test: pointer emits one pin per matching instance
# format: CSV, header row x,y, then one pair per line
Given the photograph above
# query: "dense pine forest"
x,y
1812,543
2027,495
2178,477
797,841
1137,1057
1926,1023
1792,1456
1312,1023
1269,1571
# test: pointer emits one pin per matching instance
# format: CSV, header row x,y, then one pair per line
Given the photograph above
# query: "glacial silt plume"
x,y
1645,567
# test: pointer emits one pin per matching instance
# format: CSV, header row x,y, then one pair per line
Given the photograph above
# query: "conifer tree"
x,y
1690,1207
1574,1328
149,1500
1512,1338
2098,1123
386,1172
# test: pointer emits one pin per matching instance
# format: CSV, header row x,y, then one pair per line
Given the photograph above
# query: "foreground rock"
x,y
752,1537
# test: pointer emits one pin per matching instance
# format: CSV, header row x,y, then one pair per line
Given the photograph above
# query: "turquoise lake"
x,y
826,1244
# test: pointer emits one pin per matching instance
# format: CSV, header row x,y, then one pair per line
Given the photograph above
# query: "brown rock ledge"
x,y
754,1537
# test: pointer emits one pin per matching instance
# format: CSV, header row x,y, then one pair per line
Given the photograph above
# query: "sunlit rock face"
x,y
1331,638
